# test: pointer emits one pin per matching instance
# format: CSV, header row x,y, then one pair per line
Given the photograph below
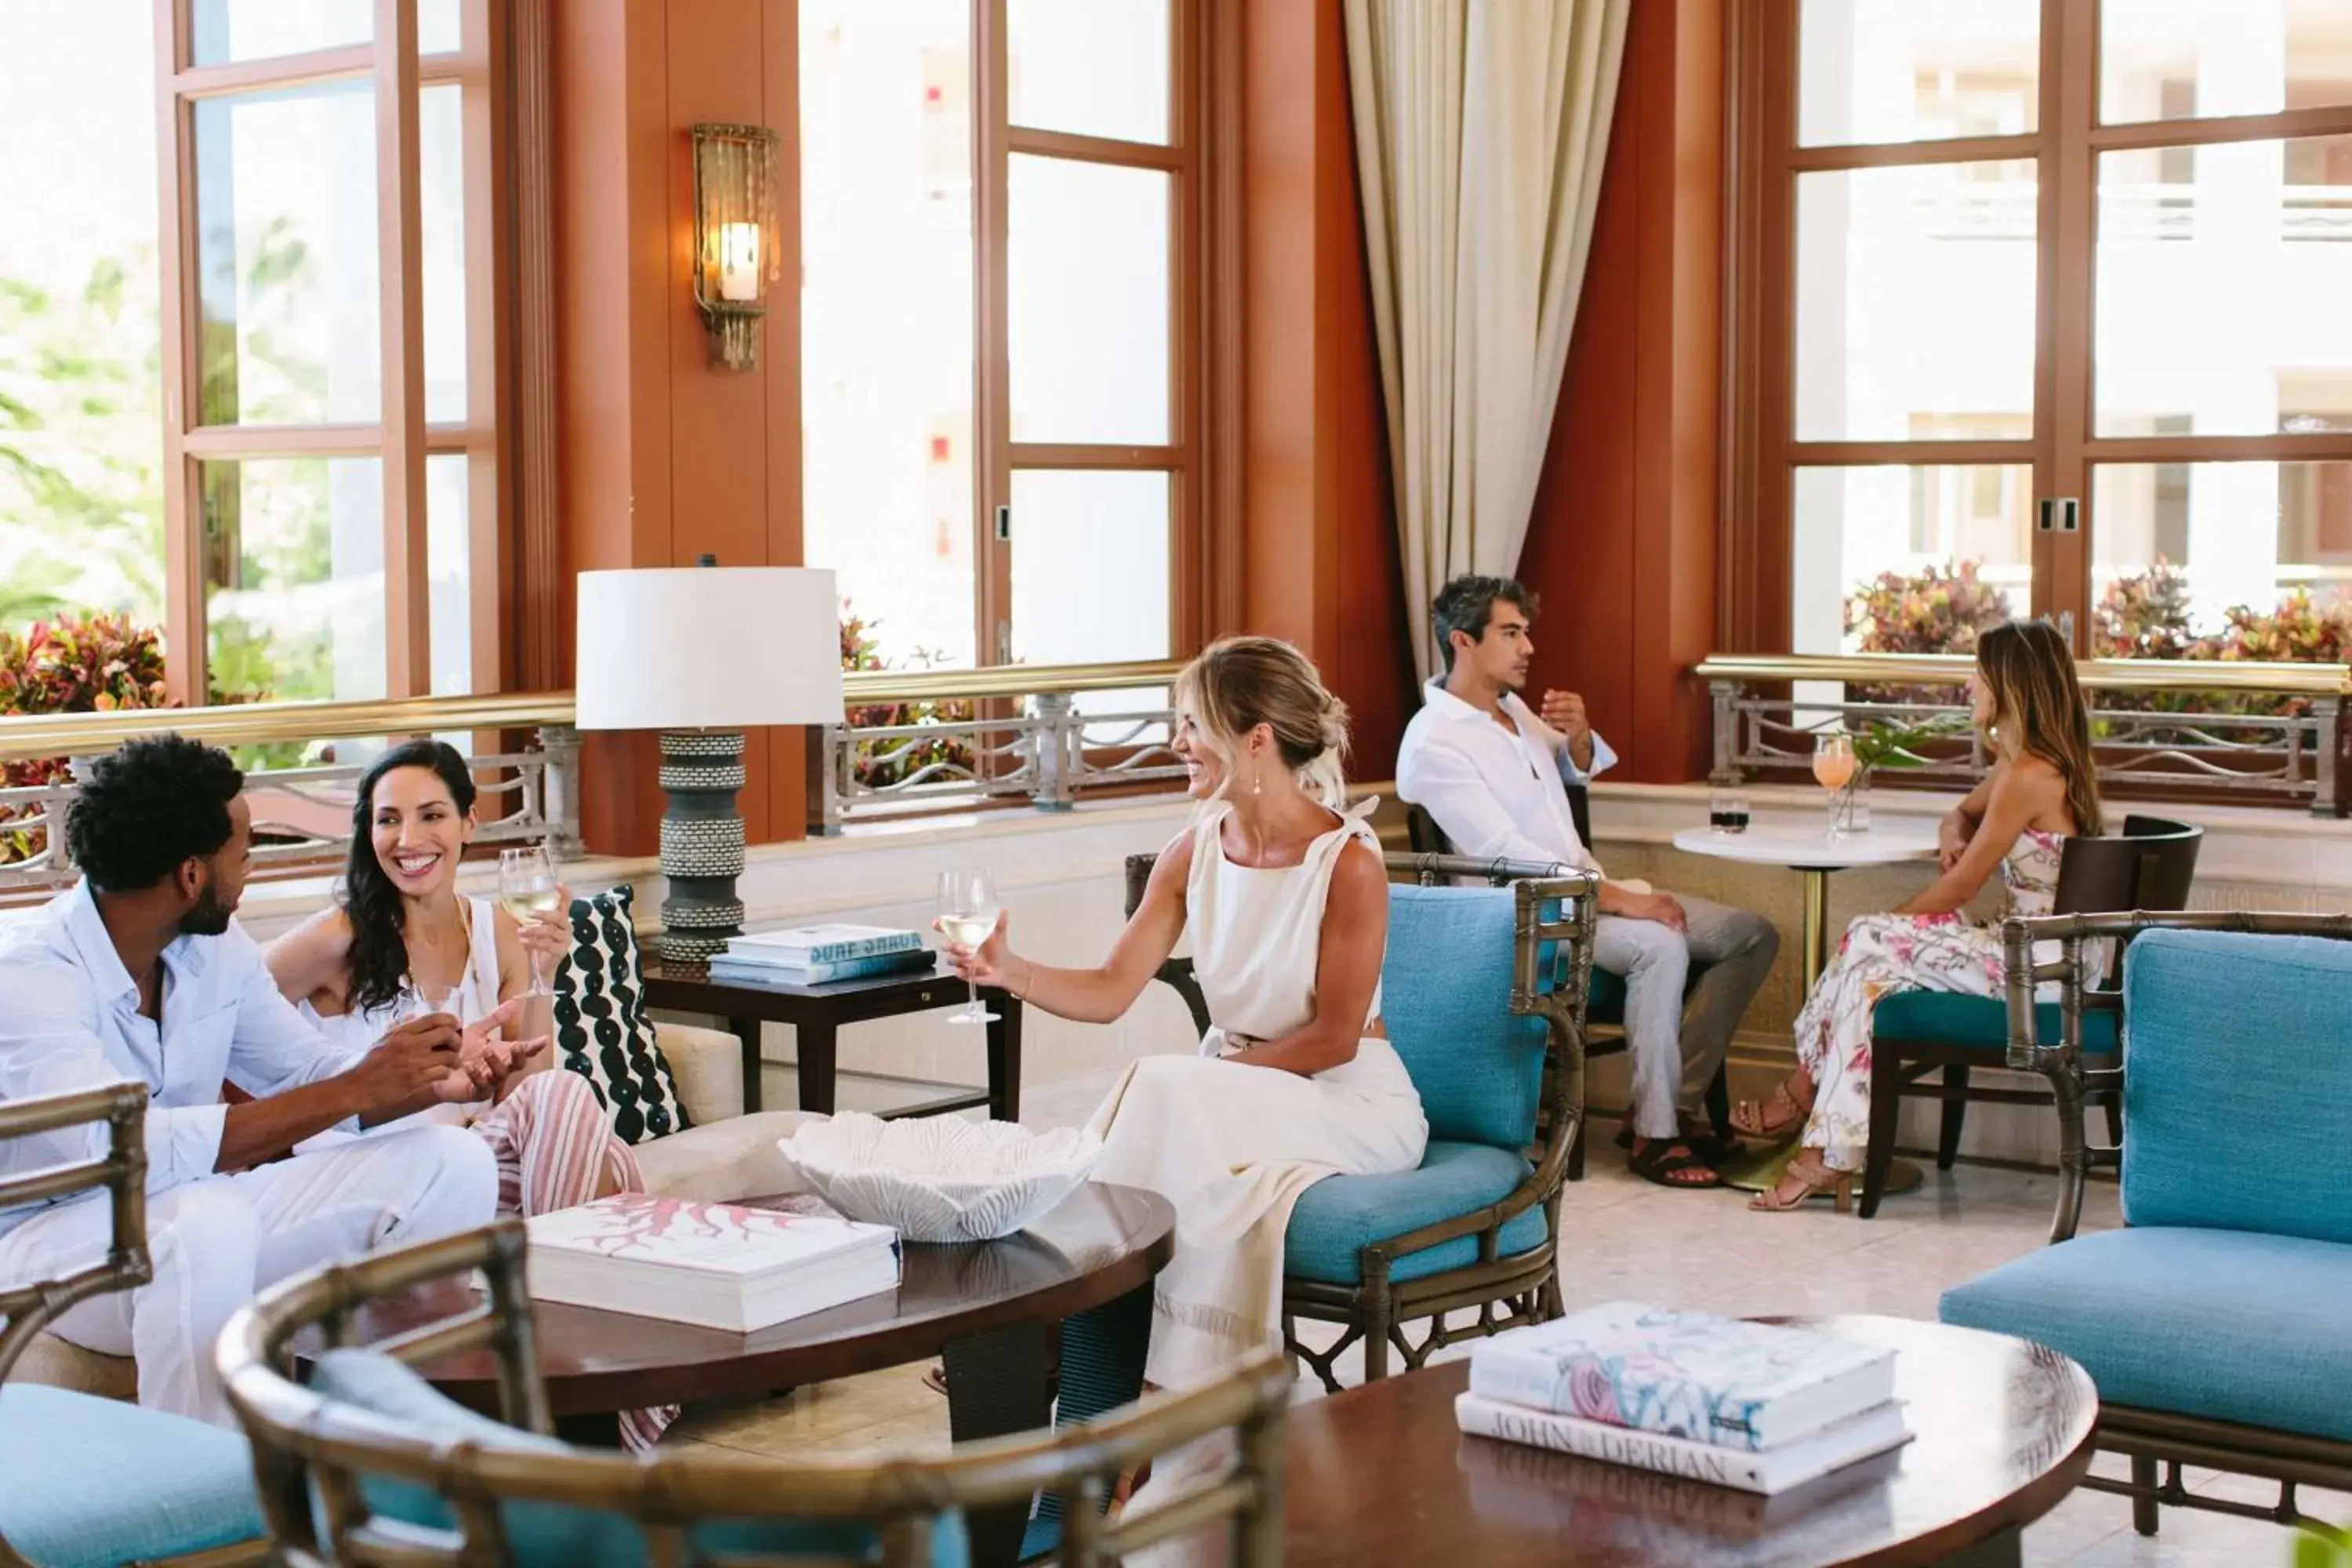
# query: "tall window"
x,y
1000,246
258,245
2063,329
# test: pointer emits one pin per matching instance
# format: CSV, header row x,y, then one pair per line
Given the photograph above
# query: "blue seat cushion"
x,y
2237,1083
87,1482
1604,999
1946,1017
1338,1214
1445,999
553,1534
2219,1323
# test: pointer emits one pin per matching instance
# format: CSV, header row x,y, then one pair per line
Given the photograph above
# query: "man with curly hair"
x,y
140,974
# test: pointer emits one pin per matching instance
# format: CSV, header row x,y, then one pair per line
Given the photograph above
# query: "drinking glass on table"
x,y
1833,770
1726,809
968,911
527,887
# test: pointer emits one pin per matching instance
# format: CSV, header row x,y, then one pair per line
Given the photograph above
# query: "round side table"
x,y
1812,853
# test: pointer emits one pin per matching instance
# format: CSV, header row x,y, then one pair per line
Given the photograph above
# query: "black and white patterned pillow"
x,y
602,1032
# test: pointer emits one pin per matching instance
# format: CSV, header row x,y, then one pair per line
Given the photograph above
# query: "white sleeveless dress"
x,y
1233,1146
476,996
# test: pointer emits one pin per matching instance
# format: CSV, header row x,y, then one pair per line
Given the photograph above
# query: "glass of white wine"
x,y
527,887
968,910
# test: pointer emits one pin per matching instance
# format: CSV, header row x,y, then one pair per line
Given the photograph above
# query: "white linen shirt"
x,y
1495,793
70,1020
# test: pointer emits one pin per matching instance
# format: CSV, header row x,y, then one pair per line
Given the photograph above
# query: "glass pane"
x,y
449,567
437,27
2186,556
885,313
441,193
1918,71
293,564
1915,303
1090,566
1910,559
223,31
2223,277
285,248
1089,307
2193,59
1092,68
82,423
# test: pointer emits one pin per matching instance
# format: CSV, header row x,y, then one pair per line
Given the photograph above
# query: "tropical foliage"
x,y
74,664
877,766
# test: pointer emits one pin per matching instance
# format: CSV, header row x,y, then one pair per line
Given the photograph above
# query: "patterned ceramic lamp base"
x,y
701,842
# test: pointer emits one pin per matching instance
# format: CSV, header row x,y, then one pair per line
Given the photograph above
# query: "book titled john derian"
x,y
1722,1382
716,1265
1777,1469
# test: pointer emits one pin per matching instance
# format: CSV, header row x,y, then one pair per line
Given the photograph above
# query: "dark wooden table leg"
x,y
2006,1550
815,1045
1103,1353
746,1034
598,1429
997,1386
1005,1057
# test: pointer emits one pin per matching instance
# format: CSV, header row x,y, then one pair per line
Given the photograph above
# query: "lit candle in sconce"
x,y
739,262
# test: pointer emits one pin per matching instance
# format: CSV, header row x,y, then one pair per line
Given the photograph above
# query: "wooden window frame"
x,y
1200,510
401,437
1762,452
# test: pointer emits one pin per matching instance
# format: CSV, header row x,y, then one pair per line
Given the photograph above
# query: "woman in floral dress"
x,y
2023,698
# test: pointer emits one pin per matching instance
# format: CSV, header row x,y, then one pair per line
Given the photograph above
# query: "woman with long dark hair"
x,y
400,934
2042,789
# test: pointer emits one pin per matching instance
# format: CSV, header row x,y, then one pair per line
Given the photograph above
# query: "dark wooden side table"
x,y
816,1014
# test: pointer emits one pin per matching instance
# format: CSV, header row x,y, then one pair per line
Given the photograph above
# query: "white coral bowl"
x,y
940,1178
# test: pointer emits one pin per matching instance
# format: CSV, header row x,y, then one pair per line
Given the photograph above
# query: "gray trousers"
x,y
1685,994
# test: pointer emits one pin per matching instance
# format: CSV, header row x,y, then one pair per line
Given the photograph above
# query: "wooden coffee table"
x,y
987,1308
1381,1474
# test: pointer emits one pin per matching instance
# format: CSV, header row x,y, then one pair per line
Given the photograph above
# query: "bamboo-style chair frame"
x,y
2149,1438
122,1172
1526,1288
301,1440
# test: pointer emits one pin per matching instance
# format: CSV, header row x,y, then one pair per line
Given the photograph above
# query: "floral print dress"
x,y
1903,953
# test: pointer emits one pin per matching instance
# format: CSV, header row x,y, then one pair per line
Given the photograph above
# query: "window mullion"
x,y
992,362
2067,247
184,675
408,653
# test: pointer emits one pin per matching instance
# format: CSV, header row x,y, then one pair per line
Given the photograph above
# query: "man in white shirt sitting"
x,y
139,974
1493,774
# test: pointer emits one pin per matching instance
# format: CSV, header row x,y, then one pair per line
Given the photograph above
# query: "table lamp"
x,y
702,653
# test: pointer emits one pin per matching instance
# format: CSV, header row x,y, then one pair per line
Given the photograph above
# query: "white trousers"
x,y
217,1242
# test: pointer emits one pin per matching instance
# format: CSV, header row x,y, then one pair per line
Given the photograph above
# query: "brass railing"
x,y
1041,751
2296,754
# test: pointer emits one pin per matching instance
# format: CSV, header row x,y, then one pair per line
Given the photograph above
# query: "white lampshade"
x,y
708,648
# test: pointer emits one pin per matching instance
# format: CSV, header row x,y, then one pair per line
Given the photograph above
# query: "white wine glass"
x,y
968,910
527,889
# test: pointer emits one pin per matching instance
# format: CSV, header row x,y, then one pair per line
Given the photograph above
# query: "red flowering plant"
x,y
1937,610
74,664
877,767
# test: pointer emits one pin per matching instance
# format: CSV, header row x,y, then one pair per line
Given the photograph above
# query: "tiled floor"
x,y
1627,1239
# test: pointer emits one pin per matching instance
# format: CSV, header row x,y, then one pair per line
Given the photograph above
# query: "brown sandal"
x,y
1837,1186
1749,1115
1668,1162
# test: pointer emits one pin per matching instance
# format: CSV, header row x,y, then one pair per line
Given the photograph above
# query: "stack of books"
x,y
811,955
1752,1406
716,1265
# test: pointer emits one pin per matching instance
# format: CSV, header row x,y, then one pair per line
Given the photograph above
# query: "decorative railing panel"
x,y
2297,756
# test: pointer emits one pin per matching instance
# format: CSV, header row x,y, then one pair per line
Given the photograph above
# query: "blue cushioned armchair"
x,y
369,1464
87,1482
1483,994
2217,1323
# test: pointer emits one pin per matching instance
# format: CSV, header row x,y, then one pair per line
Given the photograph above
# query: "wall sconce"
x,y
736,253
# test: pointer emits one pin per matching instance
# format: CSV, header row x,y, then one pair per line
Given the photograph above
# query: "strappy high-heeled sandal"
x,y
1810,1185
1748,1116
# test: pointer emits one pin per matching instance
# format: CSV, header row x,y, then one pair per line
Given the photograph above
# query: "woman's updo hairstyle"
x,y
1239,683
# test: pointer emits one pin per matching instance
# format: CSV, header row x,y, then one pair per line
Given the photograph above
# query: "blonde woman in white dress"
x,y
1284,895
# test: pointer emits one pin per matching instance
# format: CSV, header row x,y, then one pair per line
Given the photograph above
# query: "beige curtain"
x,y
1480,127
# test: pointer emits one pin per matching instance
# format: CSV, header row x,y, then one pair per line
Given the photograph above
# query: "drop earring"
x,y
1257,781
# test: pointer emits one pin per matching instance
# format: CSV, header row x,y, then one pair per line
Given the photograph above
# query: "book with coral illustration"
x,y
720,1266
1714,1380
